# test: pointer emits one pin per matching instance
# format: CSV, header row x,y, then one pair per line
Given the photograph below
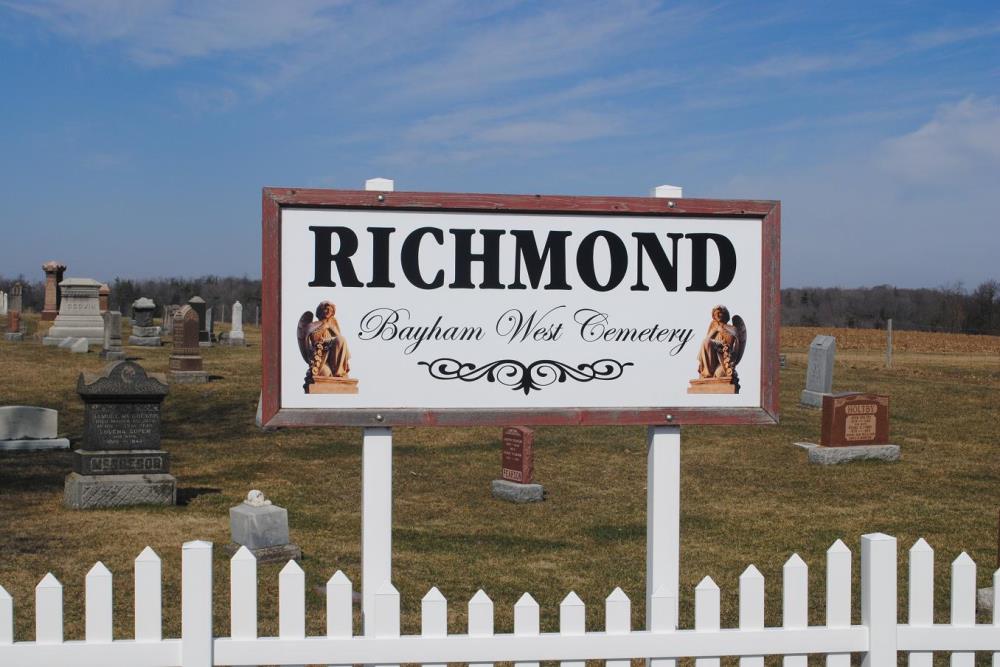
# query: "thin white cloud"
x,y
961,143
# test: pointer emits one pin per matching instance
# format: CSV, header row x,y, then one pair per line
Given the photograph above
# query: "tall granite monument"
x,y
15,298
819,375
104,296
120,462
236,336
79,314
201,308
53,293
185,360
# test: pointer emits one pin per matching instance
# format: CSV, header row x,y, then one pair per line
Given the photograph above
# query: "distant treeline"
x,y
952,309
215,290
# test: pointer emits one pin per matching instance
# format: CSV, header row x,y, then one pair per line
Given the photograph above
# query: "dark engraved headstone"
x,y
518,460
120,461
855,419
517,468
201,308
185,360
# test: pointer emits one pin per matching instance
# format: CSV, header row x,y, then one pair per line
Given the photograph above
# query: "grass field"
x,y
748,496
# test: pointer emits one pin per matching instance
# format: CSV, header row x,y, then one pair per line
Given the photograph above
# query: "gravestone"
x,y
120,462
112,349
80,313
14,332
103,295
236,336
199,306
15,298
28,428
185,359
144,332
854,426
167,328
261,527
3,303
80,346
53,293
517,467
207,337
819,375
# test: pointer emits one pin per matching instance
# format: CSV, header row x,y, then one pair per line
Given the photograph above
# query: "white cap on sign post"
x,y
664,191
380,184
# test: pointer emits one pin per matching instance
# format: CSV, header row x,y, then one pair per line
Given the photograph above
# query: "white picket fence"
x,y
879,636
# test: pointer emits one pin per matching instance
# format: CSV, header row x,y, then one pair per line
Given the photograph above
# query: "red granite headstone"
x,y
518,462
855,419
13,321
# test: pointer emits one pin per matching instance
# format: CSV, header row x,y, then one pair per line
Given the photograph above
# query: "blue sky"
x,y
136,136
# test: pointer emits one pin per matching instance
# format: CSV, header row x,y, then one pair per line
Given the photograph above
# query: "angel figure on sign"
x,y
719,353
325,350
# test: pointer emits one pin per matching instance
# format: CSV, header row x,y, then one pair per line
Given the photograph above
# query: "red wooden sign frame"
x,y
277,199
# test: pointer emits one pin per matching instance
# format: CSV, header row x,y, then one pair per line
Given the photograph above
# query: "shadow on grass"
x,y
450,542
34,471
185,496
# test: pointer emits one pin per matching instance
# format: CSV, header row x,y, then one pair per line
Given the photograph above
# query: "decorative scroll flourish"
x,y
520,377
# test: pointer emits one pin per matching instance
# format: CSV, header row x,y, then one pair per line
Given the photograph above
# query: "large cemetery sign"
x,y
406,308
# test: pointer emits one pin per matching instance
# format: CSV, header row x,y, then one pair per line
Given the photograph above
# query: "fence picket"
x,y
706,614
921,594
838,596
243,595
6,617
878,598
49,610
291,601
434,617
481,617
339,617
387,612
196,604
526,622
664,619
572,622
98,604
963,603
795,602
148,597
617,619
752,609
996,611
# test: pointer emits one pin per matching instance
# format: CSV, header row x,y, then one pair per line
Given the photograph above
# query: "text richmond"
x,y
546,267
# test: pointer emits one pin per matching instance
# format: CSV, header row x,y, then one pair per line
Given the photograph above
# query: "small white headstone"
x,y
819,376
236,333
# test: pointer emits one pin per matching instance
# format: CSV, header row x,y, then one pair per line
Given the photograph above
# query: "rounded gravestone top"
x,y
105,289
196,299
256,498
144,303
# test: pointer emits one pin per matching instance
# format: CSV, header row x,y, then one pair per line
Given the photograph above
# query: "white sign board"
x,y
393,315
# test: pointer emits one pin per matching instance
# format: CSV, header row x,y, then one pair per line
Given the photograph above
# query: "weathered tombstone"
x,y
15,298
185,360
3,303
120,462
236,336
112,349
26,428
207,337
167,327
198,304
104,294
14,332
854,426
80,346
80,313
53,293
262,528
144,332
819,375
517,467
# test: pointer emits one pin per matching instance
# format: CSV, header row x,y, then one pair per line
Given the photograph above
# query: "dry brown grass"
x,y
748,496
